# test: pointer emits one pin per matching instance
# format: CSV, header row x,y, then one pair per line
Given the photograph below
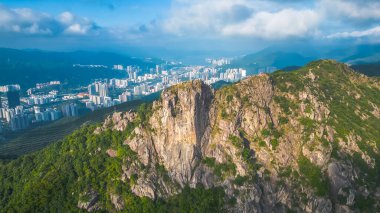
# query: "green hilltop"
x,y
79,168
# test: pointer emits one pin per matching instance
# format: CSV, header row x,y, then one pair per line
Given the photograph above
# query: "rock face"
x,y
89,201
180,121
117,202
273,142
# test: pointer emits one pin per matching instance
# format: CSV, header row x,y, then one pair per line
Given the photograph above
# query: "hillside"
x,y
290,56
370,69
300,141
276,59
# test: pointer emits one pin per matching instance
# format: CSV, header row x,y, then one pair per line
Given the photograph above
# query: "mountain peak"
x,y
306,140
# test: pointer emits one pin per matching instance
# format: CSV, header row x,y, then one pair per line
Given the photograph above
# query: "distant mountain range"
x,y
276,59
371,69
285,57
28,67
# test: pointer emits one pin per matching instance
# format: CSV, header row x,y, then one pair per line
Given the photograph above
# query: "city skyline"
x,y
23,108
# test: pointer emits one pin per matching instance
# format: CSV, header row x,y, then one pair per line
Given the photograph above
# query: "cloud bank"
x,y
197,22
29,22
270,20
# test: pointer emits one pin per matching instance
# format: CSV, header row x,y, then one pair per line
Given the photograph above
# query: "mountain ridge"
x,y
305,141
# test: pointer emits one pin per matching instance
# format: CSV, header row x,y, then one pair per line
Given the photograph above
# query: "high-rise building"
x,y
54,114
38,116
46,116
19,109
13,98
103,90
125,96
3,113
243,73
70,110
91,89
97,84
118,67
19,122
129,72
74,110
37,109
157,69
137,90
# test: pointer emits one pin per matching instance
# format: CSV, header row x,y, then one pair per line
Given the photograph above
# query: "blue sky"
x,y
185,25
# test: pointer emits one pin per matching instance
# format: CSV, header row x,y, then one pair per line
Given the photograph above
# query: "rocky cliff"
x,y
274,142
302,141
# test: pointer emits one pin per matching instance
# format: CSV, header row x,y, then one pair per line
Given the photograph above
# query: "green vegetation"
x,y
239,143
236,141
240,180
313,175
220,169
56,176
308,124
283,120
265,133
246,154
285,172
195,200
229,98
274,143
54,179
225,95
224,114
144,112
262,144
272,133
364,204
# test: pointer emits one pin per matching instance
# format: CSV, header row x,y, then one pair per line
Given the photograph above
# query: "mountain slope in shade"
x,y
30,67
302,141
277,59
369,69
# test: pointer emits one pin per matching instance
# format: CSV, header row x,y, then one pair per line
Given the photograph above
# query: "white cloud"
x,y
75,25
23,20
203,17
373,32
240,17
35,29
77,29
66,17
283,24
27,21
342,9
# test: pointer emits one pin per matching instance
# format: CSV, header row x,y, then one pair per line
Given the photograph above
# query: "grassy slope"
x,y
344,92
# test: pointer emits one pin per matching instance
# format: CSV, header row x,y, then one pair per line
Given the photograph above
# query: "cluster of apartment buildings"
x,y
19,113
